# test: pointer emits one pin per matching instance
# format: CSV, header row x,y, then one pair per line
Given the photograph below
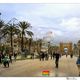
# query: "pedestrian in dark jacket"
x,y
10,56
43,56
46,56
53,54
57,56
71,55
15,55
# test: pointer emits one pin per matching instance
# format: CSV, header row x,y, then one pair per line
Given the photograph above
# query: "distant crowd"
x,y
5,59
55,55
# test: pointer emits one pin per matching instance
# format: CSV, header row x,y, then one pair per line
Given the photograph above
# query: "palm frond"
x,y
24,25
29,33
1,24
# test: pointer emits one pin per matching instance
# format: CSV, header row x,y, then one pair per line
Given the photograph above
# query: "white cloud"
x,y
72,24
62,19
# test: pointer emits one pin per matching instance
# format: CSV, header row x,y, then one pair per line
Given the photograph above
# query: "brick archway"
x,y
66,45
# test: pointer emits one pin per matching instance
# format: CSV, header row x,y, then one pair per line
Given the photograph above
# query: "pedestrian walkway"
x,y
31,68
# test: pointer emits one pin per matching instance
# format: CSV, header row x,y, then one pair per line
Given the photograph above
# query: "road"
x,y
34,68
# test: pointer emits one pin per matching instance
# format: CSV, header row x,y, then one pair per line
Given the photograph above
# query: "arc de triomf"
x,y
68,46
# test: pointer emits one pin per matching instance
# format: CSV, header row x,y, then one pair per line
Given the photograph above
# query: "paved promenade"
x,y
34,68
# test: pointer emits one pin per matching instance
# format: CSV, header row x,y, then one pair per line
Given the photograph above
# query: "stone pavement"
x,y
34,68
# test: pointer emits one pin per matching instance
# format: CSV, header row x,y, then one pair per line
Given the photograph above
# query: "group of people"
x,y
55,55
5,59
43,56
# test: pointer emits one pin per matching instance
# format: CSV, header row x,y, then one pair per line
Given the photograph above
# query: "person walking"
x,y
46,56
33,55
2,55
10,56
71,55
43,56
57,56
5,61
15,55
53,55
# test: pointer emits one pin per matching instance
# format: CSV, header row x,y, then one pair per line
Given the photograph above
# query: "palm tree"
x,y
34,45
30,43
39,45
1,35
24,30
48,47
1,26
11,30
26,43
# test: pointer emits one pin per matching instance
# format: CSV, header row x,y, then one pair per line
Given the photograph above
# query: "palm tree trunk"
x,y
40,49
34,46
11,42
40,45
29,45
22,42
37,48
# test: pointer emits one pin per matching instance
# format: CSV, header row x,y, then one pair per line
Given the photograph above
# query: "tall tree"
x,y
39,45
24,26
30,43
1,26
10,29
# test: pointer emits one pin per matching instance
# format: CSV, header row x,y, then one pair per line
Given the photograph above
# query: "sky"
x,y
52,22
